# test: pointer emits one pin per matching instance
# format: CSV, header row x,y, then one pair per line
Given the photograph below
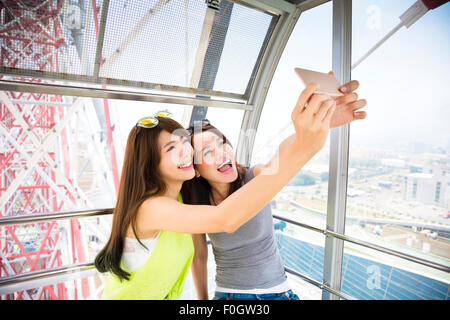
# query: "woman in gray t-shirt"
x,y
248,263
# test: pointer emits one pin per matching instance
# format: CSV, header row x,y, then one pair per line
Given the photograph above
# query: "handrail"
x,y
31,218
234,101
320,285
42,274
69,269
369,245
73,268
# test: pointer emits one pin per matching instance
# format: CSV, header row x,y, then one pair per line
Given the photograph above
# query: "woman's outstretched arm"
x,y
311,119
345,112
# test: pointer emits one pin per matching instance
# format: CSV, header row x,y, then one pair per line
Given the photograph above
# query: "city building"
x,y
431,186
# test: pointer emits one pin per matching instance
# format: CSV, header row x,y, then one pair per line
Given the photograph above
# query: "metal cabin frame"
x,y
286,16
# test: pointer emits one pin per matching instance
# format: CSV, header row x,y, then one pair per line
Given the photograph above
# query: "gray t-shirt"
x,y
248,258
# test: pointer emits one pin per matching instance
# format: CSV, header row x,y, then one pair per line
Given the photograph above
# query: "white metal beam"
x,y
76,192
277,7
90,92
339,149
43,174
11,271
41,150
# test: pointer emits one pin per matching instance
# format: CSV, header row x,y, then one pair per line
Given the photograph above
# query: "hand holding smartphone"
x,y
328,84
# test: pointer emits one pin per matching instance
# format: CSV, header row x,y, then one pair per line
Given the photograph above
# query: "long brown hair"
x,y
198,190
140,179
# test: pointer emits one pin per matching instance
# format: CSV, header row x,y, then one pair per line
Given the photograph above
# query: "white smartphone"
x,y
327,83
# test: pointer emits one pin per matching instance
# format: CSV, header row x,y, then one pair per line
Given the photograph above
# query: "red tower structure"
x,y
35,165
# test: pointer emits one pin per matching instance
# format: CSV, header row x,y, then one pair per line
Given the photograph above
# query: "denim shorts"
x,y
287,295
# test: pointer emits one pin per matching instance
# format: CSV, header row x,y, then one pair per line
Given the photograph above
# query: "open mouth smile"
x,y
185,166
225,167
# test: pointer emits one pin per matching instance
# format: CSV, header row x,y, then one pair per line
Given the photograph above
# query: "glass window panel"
x,y
301,250
48,245
86,174
398,183
303,289
54,154
372,275
89,286
243,44
166,47
59,36
170,45
81,146
305,198
228,121
145,41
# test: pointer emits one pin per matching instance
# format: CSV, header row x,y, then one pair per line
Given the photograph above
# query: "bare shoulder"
x,y
154,204
152,213
146,215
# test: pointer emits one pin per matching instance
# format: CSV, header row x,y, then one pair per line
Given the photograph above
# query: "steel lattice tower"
x,y
35,151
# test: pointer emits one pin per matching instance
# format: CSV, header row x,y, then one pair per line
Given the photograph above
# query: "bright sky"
x,y
405,81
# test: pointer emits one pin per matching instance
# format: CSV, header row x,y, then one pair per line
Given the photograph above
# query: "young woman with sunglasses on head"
x,y
150,249
248,263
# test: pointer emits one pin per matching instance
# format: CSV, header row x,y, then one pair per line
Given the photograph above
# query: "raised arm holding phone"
x,y
248,264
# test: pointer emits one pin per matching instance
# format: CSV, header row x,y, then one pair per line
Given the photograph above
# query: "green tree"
x,y
302,179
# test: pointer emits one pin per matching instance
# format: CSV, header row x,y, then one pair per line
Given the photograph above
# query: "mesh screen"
x,y
51,36
177,43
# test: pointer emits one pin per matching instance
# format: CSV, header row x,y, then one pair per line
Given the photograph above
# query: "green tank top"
x,y
162,276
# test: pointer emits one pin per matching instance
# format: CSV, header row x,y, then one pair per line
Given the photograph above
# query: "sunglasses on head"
x,y
152,121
